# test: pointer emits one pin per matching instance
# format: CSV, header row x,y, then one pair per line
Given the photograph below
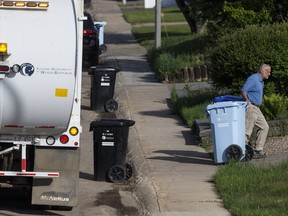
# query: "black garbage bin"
x,y
102,88
110,149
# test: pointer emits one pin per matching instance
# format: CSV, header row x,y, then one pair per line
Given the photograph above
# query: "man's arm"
x,y
244,95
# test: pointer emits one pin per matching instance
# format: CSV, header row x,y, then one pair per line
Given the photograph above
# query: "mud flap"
x,y
61,191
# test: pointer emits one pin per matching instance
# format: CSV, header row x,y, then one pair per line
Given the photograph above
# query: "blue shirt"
x,y
253,87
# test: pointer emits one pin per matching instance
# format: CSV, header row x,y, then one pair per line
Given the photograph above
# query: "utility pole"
x,y
158,24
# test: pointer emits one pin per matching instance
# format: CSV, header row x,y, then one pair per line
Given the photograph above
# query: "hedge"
x,y
239,54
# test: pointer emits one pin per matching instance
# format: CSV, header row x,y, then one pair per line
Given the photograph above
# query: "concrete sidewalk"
x,y
174,176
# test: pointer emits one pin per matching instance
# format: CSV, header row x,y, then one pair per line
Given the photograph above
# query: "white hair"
x,y
264,67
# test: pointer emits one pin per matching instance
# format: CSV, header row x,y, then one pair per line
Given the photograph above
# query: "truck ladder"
x,y
23,171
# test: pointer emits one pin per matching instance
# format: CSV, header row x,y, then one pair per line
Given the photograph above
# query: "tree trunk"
x,y
190,15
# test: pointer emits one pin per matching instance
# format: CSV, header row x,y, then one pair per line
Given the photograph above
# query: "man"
x,y
252,92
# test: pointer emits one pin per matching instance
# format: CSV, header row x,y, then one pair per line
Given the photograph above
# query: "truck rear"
x,y
40,98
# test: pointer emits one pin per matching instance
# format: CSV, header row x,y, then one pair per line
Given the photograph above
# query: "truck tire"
x,y
6,162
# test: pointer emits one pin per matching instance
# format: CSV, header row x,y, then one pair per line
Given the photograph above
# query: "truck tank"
x,y
36,96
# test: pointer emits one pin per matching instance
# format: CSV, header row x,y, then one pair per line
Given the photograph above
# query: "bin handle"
x,y
245,105
130,123
218,108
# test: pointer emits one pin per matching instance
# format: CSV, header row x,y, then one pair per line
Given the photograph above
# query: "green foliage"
x,y
275,106
249,190
229,15
174,96
177,53
202,95
190,114
193,105
166,64
239,54
270,88
240,14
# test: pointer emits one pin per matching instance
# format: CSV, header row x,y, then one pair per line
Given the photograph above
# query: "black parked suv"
x,y
90,41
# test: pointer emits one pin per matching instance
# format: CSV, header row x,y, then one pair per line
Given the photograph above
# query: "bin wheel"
x,y
249,153
117,174
129,171
234,152
111,105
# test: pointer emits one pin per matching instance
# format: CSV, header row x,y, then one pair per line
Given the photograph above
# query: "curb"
x,y
144,191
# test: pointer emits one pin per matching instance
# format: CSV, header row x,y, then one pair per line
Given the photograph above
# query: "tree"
x,y
190,12
238,54
232,13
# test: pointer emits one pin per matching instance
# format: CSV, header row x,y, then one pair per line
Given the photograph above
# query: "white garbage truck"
x,y
40,98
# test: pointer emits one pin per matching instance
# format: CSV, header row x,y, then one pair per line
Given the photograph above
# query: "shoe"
x,y
259,154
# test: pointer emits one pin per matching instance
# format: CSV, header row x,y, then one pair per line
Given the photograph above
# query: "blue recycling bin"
x,y
100,26
227,121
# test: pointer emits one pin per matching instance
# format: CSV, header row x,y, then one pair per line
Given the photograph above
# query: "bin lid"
x,y
111,123
227,98
227,104
103,23
106,69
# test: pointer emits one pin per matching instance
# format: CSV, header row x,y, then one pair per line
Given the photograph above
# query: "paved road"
x,y
99,198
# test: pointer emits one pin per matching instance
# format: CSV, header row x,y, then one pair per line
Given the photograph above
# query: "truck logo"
x,y
27,69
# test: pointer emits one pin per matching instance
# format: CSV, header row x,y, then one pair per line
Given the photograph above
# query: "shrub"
x,y
166,64
241,16
174,96
239,54
275,106
201,95
190,114
193,105
177,53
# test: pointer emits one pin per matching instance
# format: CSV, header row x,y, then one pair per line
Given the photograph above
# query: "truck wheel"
x,y
234,152
111,106
6,162
117,174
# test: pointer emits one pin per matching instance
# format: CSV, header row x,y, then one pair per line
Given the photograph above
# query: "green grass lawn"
x,y
147,33
141,15
249,190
